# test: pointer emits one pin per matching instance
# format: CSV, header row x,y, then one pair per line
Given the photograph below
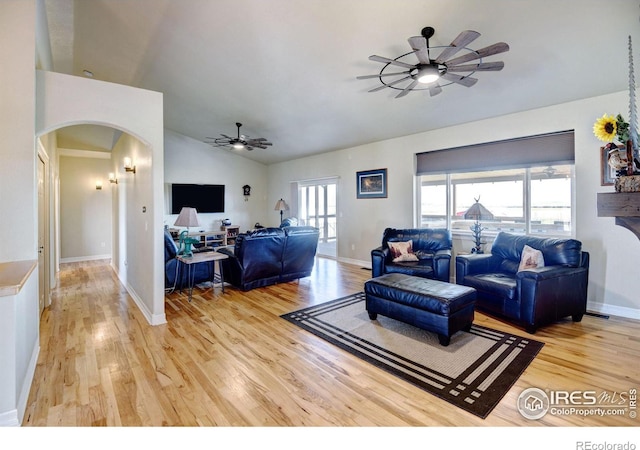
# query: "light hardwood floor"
x,y
230,360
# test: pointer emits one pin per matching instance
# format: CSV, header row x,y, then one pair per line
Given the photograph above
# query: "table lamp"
x,y
281,206
188,217
477,212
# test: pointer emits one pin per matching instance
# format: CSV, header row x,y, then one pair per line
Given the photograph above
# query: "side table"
x,y
200,258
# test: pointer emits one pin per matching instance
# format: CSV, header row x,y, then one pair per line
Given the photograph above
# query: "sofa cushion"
x,y
423,239
561,252
422,268
496,284
531,259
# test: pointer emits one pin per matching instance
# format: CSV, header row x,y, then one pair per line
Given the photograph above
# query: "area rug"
x,y
473,372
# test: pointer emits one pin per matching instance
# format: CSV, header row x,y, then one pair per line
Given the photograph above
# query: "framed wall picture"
x,y
371,183
607,174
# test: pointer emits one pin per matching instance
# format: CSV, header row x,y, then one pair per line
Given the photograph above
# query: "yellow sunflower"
x,y
605,128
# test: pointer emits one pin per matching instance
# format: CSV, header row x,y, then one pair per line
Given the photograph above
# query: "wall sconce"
x,y
128,165
112,178
98,185
246,189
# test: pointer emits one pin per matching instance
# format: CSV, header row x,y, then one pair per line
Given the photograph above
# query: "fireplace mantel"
x,y
624,206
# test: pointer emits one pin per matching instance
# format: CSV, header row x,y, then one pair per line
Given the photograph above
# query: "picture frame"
x,y
607,174
371,183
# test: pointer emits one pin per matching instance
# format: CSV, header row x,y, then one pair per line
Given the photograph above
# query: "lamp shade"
x,y
188,217
281,205
478,212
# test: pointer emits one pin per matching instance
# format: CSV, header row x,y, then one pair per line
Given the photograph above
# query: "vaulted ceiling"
x,y
286,69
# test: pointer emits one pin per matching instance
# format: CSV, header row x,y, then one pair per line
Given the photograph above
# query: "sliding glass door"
x,y
317,208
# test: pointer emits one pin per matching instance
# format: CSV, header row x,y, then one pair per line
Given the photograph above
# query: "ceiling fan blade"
x,y
434,89
494,49
419,46
463,39
488,66
367,77
399,80
382,59
459,79
406,90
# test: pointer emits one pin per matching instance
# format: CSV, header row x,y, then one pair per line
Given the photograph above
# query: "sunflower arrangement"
x,y
608,127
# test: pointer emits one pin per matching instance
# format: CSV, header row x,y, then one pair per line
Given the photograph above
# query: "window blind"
x,y
552,148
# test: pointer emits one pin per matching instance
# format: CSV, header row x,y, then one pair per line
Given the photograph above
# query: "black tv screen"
x,y
205,198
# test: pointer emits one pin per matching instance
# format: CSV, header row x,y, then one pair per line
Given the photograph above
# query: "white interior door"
x,y
43,288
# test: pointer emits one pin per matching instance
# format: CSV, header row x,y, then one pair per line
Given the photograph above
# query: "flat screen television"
x,y
205,198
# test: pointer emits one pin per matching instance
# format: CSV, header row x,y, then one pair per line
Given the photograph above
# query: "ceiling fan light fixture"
x,y
238,145
428,74
432,75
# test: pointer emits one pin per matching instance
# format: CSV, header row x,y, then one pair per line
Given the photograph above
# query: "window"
x,y
532,200
317,208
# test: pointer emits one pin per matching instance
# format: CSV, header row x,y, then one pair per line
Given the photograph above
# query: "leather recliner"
x,y
431,246
531,297
267,256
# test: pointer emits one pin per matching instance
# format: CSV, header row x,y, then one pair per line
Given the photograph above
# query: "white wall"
x,y
615,251
65,100
187,160
85,212
19,318
17,142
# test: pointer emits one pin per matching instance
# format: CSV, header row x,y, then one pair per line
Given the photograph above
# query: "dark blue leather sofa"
x,y
531,297
203,271
267,256
431,246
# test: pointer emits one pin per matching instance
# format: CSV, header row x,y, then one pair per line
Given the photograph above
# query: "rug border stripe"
x,y
522,351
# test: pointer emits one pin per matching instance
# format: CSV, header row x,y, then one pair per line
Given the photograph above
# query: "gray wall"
x,y
85,213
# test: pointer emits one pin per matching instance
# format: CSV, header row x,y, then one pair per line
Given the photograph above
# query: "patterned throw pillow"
x,y
402,251
530,259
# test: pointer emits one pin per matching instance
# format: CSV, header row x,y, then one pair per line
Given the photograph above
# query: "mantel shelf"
x,y
624,206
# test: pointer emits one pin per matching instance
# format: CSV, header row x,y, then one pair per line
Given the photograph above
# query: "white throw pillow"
x,y
402,251
531,259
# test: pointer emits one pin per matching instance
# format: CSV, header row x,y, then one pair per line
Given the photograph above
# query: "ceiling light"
x,y
428,74
238,145
87,73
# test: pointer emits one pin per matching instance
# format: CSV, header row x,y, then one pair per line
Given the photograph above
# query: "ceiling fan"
x,y
432,73
239,142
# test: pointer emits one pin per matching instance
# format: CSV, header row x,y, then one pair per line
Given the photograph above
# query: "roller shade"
x,y
553,148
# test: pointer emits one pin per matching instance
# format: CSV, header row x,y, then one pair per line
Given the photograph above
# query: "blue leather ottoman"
x,y
432,305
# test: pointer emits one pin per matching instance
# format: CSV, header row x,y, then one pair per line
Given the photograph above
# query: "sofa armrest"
x,y
442,265
231,267
378,260
552,292
473,264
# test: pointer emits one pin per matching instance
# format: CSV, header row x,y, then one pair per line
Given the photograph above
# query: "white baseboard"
x,y
613,310
9,419
356,262
84,258
153,319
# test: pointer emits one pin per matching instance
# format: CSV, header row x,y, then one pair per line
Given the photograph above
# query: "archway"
x,y
64,100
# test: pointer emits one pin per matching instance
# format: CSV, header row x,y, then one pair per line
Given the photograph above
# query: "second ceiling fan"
x,y
240,142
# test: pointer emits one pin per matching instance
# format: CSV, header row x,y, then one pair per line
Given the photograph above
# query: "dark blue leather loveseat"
x,y
431,247
530,297
202,271
267,256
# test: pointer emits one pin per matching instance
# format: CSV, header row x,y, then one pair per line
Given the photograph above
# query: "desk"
x,y
199,258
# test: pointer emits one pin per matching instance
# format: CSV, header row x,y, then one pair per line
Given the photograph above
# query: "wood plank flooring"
x,y
230,360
